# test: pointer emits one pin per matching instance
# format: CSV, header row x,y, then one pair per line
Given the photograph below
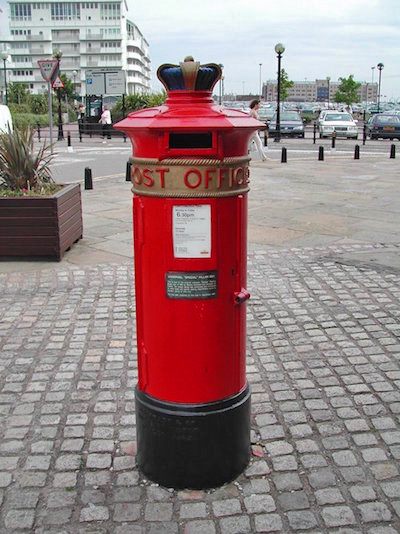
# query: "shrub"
x,y
29,120
21,168
38,104
19,108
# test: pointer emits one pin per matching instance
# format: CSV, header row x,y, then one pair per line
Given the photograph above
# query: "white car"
x,y
340,122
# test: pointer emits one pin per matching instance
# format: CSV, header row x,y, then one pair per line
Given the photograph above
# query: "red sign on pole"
x,y
47,68
58,83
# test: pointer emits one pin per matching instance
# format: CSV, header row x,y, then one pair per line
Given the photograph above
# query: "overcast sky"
x,y
322,38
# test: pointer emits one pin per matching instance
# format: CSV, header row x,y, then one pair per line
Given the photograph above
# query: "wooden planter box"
x,y
41,226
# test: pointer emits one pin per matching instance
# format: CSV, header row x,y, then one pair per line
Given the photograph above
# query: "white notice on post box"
x,y
191,227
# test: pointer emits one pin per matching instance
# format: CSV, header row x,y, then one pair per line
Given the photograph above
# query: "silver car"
x,y
340,122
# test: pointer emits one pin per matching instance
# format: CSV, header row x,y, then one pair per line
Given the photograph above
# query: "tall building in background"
x,y
91,35
317,91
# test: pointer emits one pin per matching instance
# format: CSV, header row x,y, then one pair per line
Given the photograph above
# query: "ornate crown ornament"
x,y
189,75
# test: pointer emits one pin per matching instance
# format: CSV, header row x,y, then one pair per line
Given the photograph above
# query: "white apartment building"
x,y
91,36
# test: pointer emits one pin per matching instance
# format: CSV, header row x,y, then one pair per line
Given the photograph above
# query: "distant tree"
x,y
17,93
138,101
286,84
347,91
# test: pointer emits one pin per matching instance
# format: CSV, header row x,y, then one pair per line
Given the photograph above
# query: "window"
x,y
64,11
110,11
21,11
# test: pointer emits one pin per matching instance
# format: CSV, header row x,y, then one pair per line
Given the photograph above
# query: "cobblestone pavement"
x,y
323,363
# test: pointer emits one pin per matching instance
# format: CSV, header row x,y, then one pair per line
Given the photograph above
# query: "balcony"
x,y
22,78
40,52
107,50
92,63
131,54
135,43
117,64
91,50
29,38
92,37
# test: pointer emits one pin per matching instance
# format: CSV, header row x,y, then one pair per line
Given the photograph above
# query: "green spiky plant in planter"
x,y
37,216
22,170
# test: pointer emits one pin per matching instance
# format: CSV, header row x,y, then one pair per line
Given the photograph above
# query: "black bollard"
x,y
364,133
392,151
80,135
69,139
284,155
357,152
266,137
334,139
38,132
88,178
314,132
128,171
321,153
124,138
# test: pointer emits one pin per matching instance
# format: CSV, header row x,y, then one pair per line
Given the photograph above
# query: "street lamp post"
x,y
279,49
4,57
74,73
58,56
260,64
329,83
220,86
380,67
372,77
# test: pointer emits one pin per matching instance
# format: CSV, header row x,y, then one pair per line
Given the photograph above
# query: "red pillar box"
x,y
190,181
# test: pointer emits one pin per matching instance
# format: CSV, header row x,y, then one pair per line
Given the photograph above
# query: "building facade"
x,y
91,36
323,90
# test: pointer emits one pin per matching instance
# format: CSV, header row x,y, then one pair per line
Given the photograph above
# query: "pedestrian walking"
x,y
255,138
105,121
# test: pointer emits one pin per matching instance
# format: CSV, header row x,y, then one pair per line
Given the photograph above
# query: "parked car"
x,y
385,125
291,124
265,114
339,122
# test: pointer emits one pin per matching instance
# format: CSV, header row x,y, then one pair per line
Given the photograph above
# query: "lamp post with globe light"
x,y
74,73
328,80
279,49
4,57
220,87
380,67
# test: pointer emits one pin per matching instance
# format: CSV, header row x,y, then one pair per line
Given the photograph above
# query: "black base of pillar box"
x,y
194,446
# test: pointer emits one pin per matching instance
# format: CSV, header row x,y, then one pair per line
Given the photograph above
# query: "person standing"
x,y
105,121
254,107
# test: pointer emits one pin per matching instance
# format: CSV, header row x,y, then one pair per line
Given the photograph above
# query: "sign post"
x,y
58,84
48,69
